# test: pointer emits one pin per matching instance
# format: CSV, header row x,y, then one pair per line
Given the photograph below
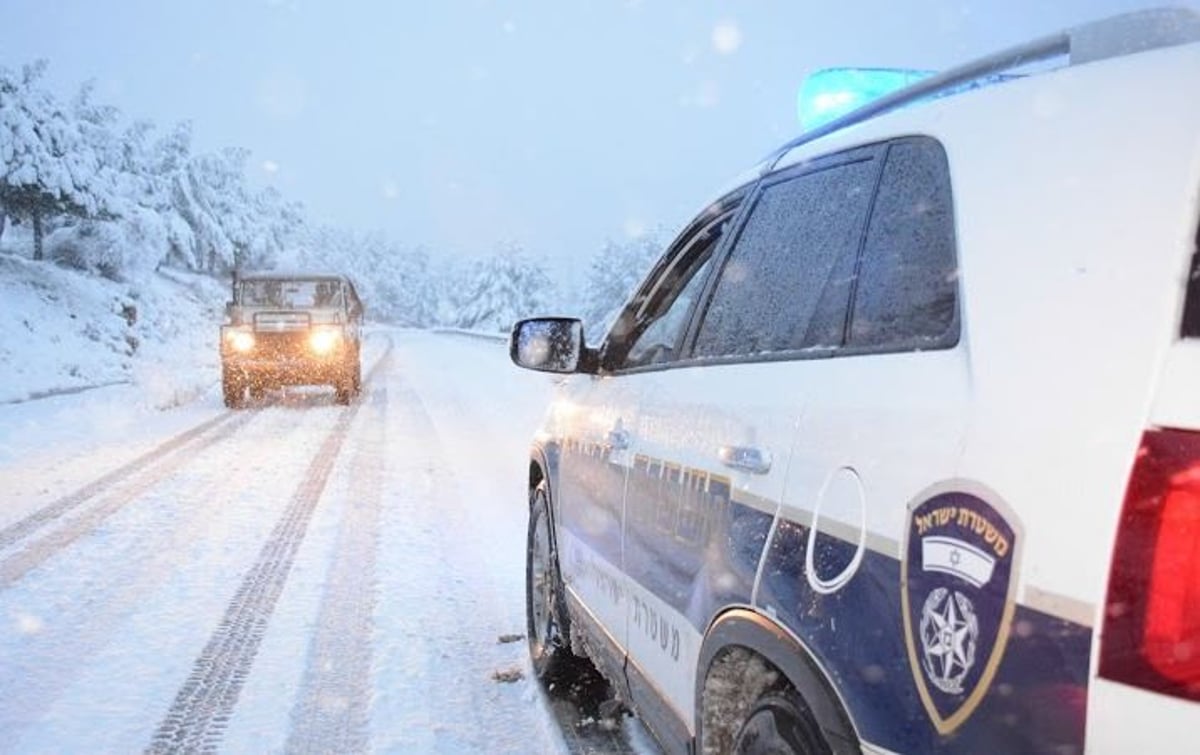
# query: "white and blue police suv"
x,y
897,447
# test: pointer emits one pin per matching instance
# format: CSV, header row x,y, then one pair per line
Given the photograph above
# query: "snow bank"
x,y
62,331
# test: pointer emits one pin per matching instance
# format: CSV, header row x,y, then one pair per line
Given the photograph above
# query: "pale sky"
x,y
459,124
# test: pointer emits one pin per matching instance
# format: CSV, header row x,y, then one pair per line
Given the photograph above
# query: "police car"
x,y
897,448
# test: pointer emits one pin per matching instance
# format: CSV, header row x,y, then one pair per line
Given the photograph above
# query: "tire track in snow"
x,y
198,716
143,474
30,684
48,514
331,714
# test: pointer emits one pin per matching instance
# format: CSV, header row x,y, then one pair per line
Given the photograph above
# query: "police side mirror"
x,y
548,344
229,310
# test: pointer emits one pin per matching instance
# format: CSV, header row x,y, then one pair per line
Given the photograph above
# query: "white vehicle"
x,y
897,448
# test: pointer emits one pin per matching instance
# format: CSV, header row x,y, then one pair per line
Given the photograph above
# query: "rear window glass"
x,y
798,243
906,290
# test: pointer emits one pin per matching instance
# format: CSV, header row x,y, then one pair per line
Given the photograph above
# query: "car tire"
x,y
233,389
546,620
779,722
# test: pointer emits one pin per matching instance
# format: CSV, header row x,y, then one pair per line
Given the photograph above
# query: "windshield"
x,y
291,293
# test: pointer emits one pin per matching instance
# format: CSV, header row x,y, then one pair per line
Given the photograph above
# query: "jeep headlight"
x,y
324,340
240,340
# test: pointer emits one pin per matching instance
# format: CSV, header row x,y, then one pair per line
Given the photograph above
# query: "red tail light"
x,y
1151,635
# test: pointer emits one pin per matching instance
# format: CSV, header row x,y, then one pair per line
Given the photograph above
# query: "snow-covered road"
x,y
295,576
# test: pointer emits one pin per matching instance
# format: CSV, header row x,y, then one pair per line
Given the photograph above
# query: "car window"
x,y
659,341
786,283
906,289
661,316
291,294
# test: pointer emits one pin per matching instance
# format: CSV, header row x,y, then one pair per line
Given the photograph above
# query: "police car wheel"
x,y
779,723
544,610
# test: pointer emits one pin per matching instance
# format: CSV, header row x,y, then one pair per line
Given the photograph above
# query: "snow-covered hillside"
x,y
62,330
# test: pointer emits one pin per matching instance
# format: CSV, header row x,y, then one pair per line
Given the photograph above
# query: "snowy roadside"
x,y
62,331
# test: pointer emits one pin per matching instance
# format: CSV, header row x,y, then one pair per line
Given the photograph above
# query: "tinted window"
x,y
906,286
787,281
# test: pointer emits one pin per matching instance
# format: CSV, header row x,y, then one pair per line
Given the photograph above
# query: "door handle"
x,y
746,459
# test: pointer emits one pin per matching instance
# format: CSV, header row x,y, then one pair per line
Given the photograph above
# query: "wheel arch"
x,y
537,469
762,636
543,465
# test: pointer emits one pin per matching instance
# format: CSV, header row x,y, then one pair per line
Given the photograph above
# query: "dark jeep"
x,y
291,329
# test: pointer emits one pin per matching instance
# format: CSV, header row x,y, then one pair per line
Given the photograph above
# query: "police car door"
x,y
593,414
663,508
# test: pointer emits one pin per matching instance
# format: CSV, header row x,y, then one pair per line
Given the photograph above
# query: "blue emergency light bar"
x,y
830,93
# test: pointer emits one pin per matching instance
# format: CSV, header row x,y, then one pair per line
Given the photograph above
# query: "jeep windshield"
x,y
314,293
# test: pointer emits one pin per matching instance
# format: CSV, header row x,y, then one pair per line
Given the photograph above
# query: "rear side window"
x,y
787,280
905,295
850,259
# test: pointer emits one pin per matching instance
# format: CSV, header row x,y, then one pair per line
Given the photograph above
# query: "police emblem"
x,y
956,593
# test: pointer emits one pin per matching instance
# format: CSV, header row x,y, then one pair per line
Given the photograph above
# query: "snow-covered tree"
x,y
48,166
130,230
396,284
502,288
615,270
113,181
401,281
166,160
209,194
